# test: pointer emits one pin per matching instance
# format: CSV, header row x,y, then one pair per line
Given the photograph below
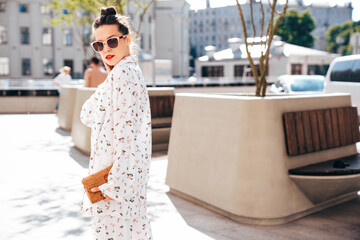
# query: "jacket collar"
x,y
126,60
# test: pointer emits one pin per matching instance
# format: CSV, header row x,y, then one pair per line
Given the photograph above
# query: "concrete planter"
x,y
228,153
66,106
28,100
81,134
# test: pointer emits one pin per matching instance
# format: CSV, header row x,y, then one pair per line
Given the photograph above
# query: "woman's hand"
x,y
107,198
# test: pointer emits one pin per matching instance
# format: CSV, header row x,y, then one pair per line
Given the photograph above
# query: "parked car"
x,y
298,83
344,76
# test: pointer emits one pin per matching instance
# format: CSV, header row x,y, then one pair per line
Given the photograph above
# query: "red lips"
x,y
108,57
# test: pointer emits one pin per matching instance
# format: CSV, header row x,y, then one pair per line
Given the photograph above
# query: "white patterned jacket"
x,y
120,120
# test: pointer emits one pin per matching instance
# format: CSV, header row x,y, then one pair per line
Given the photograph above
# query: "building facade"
x,y
167,39
232,65
213,26
31,49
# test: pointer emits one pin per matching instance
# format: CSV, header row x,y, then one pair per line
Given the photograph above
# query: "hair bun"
x,y
108,11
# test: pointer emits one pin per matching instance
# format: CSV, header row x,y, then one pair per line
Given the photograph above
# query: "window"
x,y
26,67
212,71
23,8
238,70
86,36
249,72
317,69
48,67
2,6
46,36
44,9
355,74
296,69
25,35
3,35
150,44
67,37
4,66
346,71
142,41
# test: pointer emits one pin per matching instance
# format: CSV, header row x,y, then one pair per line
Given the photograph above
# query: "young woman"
x,y
119,116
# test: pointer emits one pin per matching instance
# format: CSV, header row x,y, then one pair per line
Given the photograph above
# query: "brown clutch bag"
x,y
95,180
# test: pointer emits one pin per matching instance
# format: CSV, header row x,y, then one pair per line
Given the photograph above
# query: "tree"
x,y
142,9
272,26
296,28
338,37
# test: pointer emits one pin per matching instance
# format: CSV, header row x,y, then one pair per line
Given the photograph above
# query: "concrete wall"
x,y
229,152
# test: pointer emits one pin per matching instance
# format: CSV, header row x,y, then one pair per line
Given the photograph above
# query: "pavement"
x,y
41,191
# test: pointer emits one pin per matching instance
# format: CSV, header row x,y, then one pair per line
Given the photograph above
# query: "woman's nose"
x,y
106,48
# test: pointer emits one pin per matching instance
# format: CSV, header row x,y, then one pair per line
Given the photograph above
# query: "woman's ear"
x,y
128,39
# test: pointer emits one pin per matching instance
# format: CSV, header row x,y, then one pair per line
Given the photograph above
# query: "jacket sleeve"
x,y
87,111
126,177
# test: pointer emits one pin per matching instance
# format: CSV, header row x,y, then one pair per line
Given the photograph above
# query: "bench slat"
x,y
355,125
348,134
290,134
321,127
307,131
335,127
328,128
314,130
341,120
161,106
299,133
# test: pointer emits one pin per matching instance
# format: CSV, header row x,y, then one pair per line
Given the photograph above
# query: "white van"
x,y
343,75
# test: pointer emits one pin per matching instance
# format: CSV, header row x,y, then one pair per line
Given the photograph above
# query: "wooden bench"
x,y
162,107
317,130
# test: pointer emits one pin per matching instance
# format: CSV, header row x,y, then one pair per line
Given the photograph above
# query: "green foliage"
x,y
296,28
343,33
81,12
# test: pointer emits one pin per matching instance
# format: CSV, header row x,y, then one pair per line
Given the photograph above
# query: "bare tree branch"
x,y
260,77
144,9
273,31
252,65
252,21
262,19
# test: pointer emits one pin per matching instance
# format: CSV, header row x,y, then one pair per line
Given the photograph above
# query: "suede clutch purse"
x,y
95,180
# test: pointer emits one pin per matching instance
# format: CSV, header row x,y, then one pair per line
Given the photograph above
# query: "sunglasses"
x,y
98,46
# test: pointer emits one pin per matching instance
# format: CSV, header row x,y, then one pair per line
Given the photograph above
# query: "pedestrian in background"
x,y
96,74
119,116
64,77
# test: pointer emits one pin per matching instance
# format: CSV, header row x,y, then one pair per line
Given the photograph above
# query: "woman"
x,y
119,116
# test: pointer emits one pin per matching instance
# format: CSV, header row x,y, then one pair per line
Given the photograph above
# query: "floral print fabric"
x,y
119,116
109,227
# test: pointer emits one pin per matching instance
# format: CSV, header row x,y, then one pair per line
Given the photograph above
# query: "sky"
x,y
198,4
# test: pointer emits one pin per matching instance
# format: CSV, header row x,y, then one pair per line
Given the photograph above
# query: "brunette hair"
x,y
95,60
108,16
